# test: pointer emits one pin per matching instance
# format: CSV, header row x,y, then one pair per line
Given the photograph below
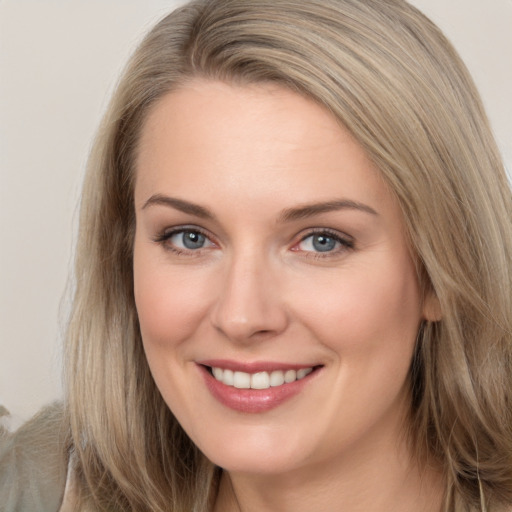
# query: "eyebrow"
x,y
287,215
179,204
310,210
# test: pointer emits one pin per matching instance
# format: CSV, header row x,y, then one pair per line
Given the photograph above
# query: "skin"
x,y
259,290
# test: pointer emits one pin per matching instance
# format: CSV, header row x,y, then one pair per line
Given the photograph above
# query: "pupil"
x,y
193,240
323,243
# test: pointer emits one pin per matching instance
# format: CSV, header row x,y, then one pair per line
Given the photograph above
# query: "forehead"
x,y
230,140
209,111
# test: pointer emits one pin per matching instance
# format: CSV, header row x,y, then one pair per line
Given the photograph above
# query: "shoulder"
x,y
33,463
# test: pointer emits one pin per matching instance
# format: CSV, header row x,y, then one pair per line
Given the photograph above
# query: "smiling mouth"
x,y
259,380
256,387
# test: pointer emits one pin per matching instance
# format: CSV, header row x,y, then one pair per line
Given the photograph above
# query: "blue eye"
x,y
186,239
323,243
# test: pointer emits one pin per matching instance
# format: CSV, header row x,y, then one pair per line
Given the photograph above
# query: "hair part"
x,y
391,78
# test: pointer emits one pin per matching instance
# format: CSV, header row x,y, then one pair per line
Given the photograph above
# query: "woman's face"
x,y
277,298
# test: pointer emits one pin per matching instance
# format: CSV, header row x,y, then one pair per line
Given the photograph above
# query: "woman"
x,y
293,284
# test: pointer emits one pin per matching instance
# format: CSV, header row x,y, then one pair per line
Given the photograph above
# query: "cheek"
x,y
170,301
364,309
369,323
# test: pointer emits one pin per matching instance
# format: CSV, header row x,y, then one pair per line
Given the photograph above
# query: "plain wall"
x,y
59,61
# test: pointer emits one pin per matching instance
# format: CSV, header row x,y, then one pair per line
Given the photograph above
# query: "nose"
x,y
250,304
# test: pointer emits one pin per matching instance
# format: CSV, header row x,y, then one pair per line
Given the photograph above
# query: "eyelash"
x,y
164,237
346,243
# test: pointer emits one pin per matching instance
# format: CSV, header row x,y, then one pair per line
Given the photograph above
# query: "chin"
x,y
262,463
262,450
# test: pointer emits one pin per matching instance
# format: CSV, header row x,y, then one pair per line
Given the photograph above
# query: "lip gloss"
x,y
253,400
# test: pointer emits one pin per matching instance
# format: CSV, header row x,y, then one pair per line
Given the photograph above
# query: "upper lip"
x,y
254,366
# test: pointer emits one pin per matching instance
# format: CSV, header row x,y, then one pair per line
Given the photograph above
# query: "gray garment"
x,y
33,464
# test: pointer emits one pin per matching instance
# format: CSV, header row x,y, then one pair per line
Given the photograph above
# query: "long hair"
x,y
393,80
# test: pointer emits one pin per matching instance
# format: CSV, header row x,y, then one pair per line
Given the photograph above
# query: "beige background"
x,y
59,60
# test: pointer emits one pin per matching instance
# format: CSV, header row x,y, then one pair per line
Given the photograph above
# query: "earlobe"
x,y
432,308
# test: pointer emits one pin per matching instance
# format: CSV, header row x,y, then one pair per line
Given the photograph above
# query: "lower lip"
x,y
253,400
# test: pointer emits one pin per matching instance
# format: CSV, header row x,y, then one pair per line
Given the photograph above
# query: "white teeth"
x,y
303,372
242,380
218,373
290,376
228,377
259,380
277,378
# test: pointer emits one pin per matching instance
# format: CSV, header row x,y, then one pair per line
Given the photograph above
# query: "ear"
x,y
431,307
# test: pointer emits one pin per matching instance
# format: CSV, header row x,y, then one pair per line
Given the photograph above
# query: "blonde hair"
x,y
392,79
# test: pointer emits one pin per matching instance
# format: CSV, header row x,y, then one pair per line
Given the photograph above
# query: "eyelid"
x,y
346,241
164,235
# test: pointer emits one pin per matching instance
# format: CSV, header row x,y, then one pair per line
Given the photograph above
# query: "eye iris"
x,y
193,240
323,243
